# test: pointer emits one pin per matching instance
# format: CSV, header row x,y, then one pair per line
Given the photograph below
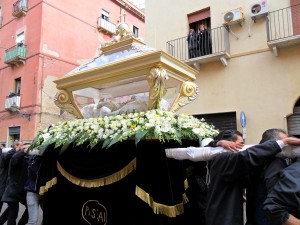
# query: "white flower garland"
x,y
154,124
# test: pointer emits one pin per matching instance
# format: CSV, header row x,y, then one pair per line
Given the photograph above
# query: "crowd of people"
x,y
18,184
267,174
199,43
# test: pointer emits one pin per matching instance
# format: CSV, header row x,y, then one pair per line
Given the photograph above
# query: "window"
x,y
105,15
20,38
135,31
221,121
18,86
199,17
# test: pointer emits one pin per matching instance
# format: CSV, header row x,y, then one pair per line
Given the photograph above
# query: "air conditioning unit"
x,y
259,9
232,17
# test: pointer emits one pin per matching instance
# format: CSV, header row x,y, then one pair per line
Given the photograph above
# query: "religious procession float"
x,y
108,165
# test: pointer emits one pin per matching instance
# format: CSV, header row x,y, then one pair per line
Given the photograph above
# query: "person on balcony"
x,y
192,43
11,94
204,41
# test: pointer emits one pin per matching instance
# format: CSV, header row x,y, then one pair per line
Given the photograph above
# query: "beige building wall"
x,y
255,81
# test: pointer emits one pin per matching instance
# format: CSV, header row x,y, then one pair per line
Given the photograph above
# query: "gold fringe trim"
x,y
185,199
49,184
186,184
170,211
100,181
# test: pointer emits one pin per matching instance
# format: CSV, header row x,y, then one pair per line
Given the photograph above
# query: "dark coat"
x,y
229,175
192,41
17,175
3,174
261,183
205,45
192,45
284,198
34,164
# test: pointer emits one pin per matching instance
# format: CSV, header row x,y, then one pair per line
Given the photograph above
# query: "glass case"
x,y
127,76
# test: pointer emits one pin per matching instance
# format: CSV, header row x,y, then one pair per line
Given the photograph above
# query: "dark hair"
x,y
228,135
270,134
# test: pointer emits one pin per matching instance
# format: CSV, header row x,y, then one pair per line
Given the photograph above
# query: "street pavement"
x,y
21,210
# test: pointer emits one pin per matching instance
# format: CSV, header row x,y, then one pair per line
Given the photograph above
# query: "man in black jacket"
x,y
229,176
14,191
282,204
262,181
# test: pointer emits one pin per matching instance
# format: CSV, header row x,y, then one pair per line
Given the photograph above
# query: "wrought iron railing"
x,y
15,54
217,42
106,25
283,23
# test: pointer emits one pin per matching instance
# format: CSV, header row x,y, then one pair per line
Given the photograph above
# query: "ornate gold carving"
x,y
123,32
157,82
188,93
63,100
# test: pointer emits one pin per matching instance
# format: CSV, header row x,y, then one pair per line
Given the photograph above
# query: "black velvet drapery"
x,y
126,183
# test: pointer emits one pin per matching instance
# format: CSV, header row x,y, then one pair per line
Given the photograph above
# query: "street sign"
x,y
244,133
243,119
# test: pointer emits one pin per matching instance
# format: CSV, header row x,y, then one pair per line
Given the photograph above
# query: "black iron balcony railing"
x,y
15,54
216,43
104,25
283,25
20,8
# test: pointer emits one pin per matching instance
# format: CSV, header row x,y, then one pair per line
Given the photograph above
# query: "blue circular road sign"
x,y
243,119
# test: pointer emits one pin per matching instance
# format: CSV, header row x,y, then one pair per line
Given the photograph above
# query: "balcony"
x,y
133,7
1,19
106,26
217,49
15,55
13,103
20,8
283,28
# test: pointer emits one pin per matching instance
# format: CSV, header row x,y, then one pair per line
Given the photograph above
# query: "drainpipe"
x,y
42,86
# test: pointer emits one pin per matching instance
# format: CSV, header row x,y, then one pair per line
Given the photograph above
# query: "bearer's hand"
x,y
230,145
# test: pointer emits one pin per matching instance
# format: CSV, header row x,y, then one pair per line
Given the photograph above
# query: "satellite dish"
x,y
228,16
256,8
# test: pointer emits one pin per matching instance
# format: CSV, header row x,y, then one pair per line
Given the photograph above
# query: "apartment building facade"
x,y
249,76
41,41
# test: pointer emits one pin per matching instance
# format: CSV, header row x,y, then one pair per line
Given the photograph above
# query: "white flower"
x,y
46,136
164,124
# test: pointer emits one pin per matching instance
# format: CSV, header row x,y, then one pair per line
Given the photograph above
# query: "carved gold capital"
x,y
157,81
64,100
188,93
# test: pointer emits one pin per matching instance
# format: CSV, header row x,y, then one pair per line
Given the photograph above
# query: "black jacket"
x,y
3,174
284,199
229,175
261,183
17,175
